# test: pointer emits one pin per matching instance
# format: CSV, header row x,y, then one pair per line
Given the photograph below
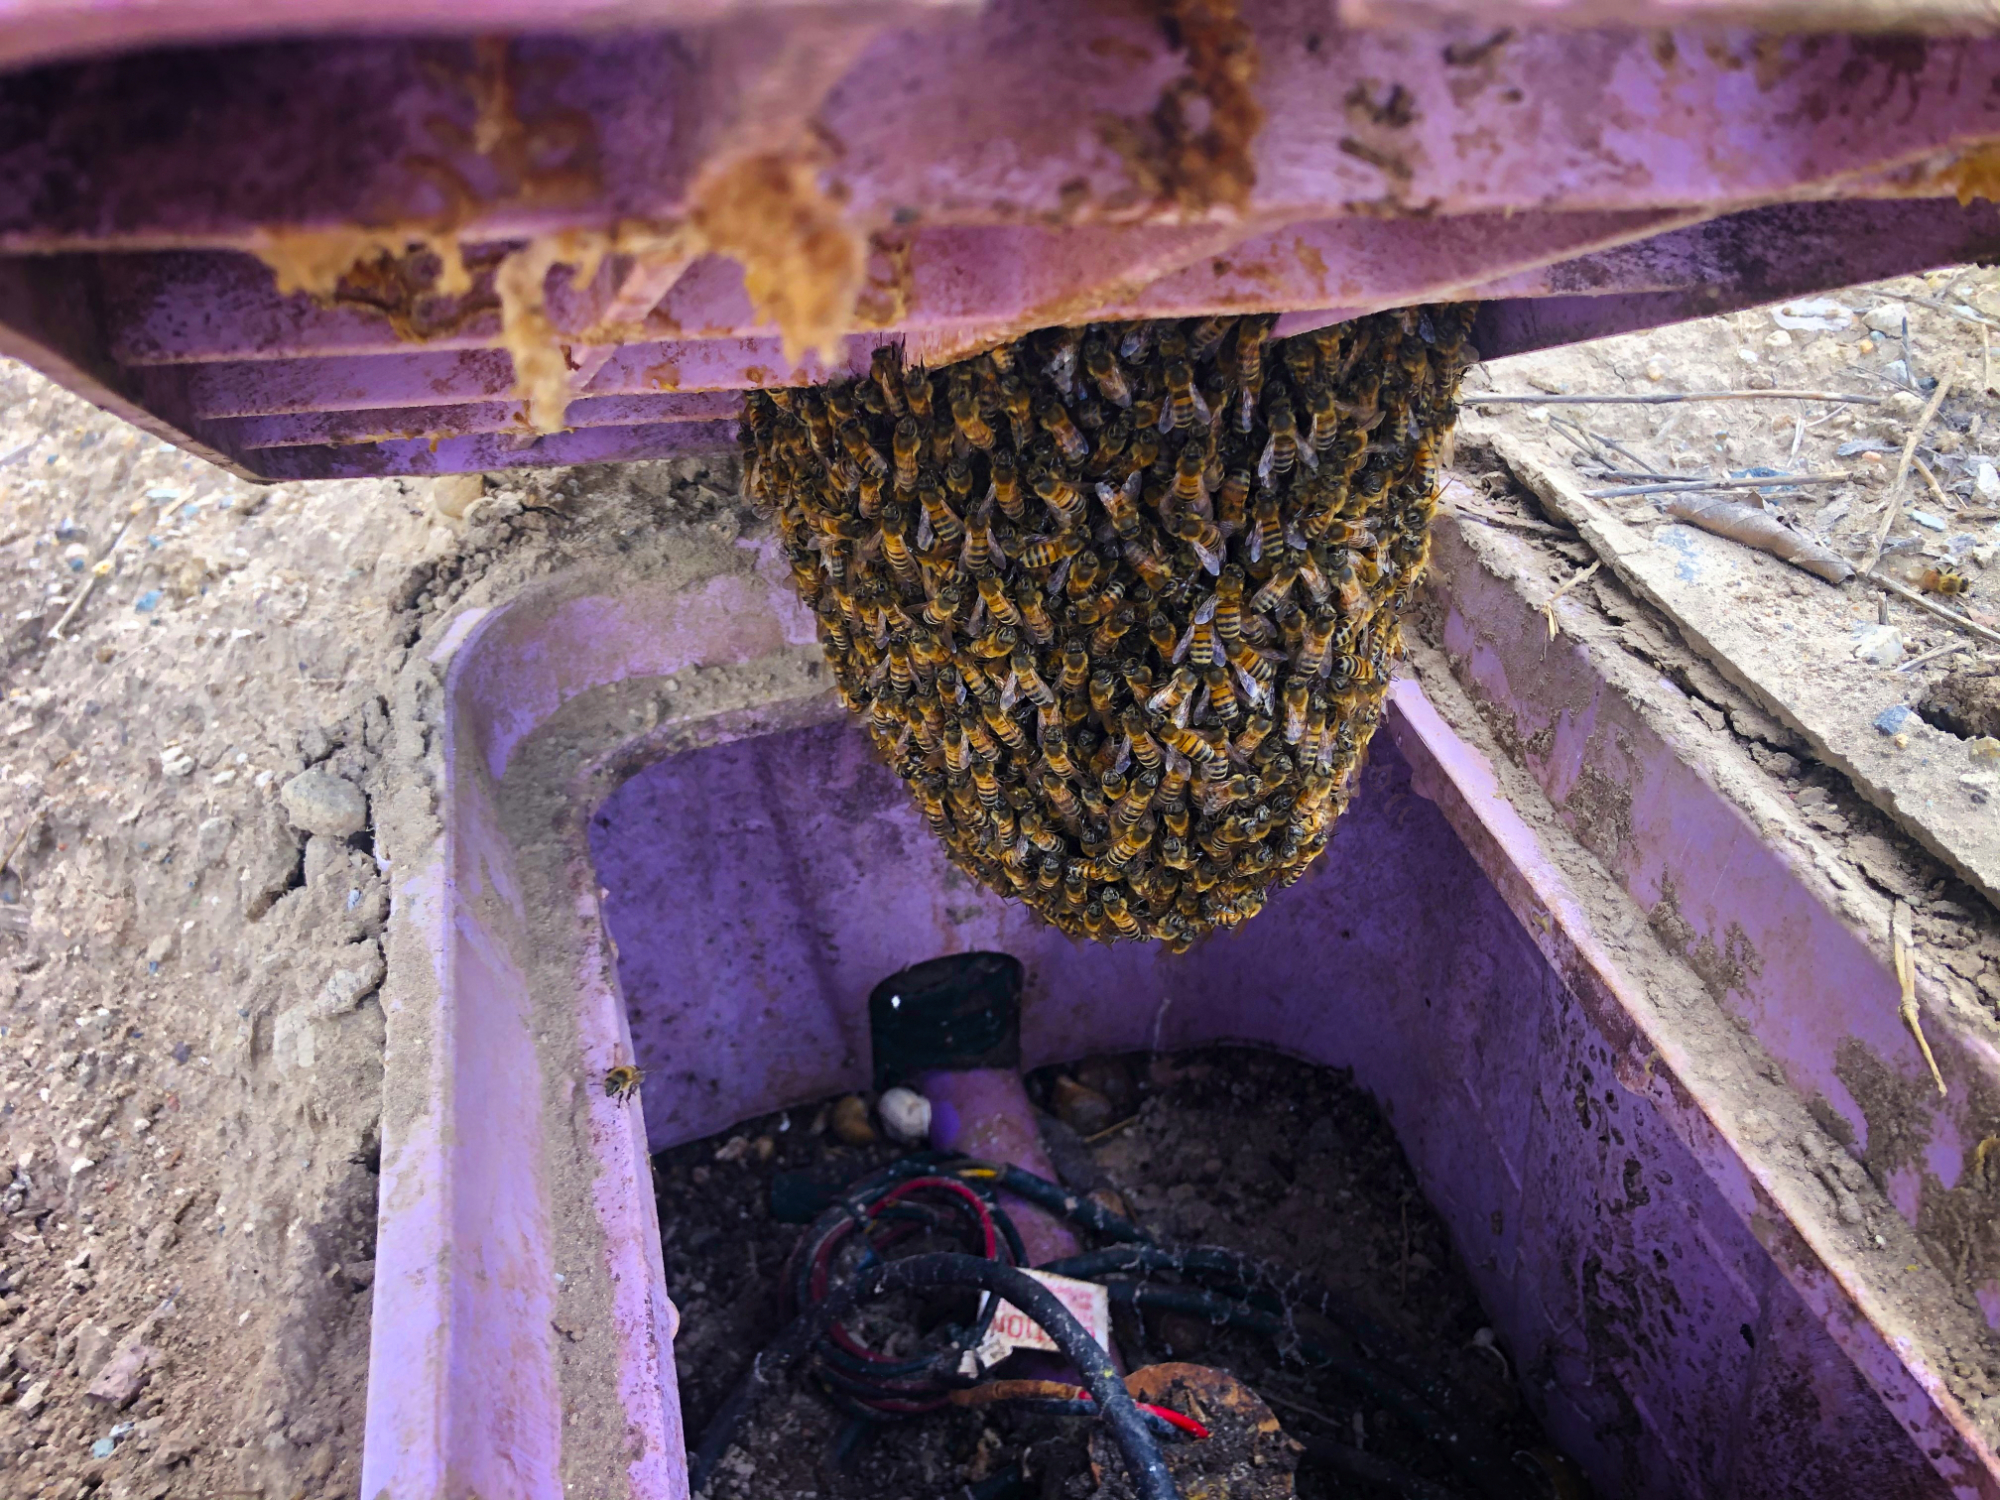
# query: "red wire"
x,y
1167,1414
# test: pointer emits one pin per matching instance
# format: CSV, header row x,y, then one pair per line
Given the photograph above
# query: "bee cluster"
x,y
1118,602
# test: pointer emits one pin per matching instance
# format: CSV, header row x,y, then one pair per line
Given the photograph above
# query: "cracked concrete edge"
x,y
1969,846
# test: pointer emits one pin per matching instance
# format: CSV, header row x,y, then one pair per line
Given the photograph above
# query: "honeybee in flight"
x,y
622,1081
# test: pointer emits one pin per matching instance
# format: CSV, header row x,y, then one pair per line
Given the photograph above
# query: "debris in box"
x,y
1274,1279
1118,602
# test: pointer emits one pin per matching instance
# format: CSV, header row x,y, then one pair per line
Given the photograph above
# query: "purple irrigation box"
x,y
713,892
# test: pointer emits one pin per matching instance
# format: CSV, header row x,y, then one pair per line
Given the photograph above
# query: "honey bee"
x,y
1283,451
886,369
1069,442
939,518
1034,618
1060,496
1050,552
1184,407
622,1081
1943,579
1005,486
965,412
1203,537
1121,505
1105,374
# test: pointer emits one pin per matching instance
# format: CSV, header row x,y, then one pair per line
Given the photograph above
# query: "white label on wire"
x,y
1011,1329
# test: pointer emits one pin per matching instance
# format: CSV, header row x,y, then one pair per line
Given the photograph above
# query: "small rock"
x,y
358,973
1888,318
211,840
1778,339
1926,520
119,1381
1879,645
104,1447
1892,720
320,802
1656,370
94,1343
1814,314
1084,1110
159,1240
176,762
849,1122
33,1398
1986,481
454,494
905,1116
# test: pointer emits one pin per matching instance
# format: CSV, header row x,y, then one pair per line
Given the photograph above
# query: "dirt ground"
x,y
189,1047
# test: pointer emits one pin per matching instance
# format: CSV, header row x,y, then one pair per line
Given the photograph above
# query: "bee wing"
x,y
1123,758
1209,560
1253,690
993,546
1010,692
1306,456
1255,543
978,619
1201,411
925,536
1166,422
1264,463
1205,611
1134,483
1180,652
1060,576
1196,707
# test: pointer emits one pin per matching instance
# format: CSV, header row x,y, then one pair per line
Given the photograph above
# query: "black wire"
x,y
1115,1407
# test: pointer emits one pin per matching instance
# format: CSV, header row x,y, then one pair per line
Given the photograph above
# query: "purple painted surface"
x,y
1738,902
1609,1261
990,163
758,888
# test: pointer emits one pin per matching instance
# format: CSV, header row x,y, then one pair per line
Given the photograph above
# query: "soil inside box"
x,y
1232,1147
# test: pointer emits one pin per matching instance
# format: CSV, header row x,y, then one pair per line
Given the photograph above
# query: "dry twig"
x,y
1895,506
1906,977
1931,479
1683,486
1902,591
1549,609
1965,315
1667,398
1933,654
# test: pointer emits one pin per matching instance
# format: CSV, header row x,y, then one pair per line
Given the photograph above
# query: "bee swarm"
x,y
1118,602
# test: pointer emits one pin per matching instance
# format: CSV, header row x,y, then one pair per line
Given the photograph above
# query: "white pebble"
x,y
906,1116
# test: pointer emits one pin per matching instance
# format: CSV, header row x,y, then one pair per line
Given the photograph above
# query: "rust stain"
x,y
804,266
1975,174
664,376
1311,262
1172,159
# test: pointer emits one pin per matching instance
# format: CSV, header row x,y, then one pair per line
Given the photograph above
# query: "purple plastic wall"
x,y
1665,1350
714,889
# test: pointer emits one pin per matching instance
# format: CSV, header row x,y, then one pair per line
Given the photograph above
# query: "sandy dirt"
x,y
189,1045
